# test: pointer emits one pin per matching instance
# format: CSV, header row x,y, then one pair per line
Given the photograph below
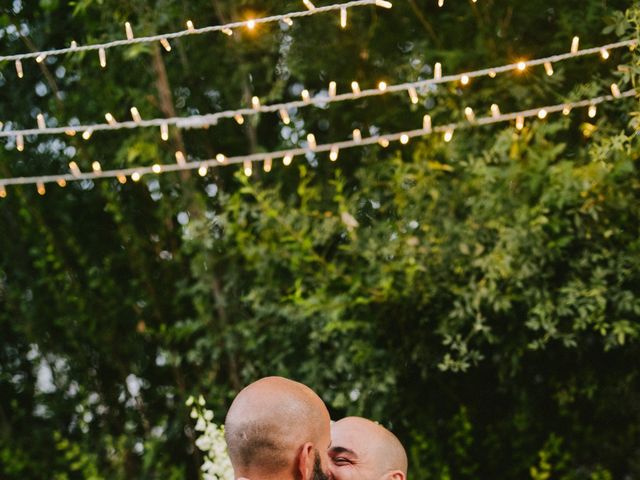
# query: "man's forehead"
x,y
350,437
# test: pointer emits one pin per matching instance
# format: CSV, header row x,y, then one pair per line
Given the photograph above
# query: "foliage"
x,y
480,297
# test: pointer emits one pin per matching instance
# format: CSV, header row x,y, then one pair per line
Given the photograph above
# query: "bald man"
x,y
363,450
278,429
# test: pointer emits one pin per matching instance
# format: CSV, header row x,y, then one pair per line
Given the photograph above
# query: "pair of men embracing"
x,y
278,429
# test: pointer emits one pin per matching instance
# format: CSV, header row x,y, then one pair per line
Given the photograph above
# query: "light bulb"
x,y
220,158
308,4
102,55
156,168
333,89
202,171
19,70
464,80
87,134
522,66
357,135
135,176
542,114
268,163
180,158
383,142
426,123
3,191
404,139
311,140
288,158
355,87
575,44
548,67
75,170
495,110
284,115
343,17
20,143
128,30
413,95
248,168
110,118
255,103
305,95
164,131
239,119
437,70
122,179
40,120
593,111
41,188
604,53
468,112
615,90
96,167
519,122
382,86
333,154
165,43
135,114
190,26
61,182
448,135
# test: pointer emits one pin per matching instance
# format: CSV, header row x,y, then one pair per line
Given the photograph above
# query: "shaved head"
x,y
268,424
364,450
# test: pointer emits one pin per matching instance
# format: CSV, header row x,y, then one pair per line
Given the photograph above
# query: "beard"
x,y
318,474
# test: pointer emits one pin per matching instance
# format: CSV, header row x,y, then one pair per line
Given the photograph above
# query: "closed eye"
x,y
341,461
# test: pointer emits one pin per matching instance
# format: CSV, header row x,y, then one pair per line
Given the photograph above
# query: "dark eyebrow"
x,y
343,450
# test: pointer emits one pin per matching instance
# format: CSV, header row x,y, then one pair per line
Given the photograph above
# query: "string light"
x,y
40,121
190,26
593,111
437,71
75,170
110,119
227,31
248,168
542,114
157,169
441,3
495,110
268,163
464,80
575,44
41,188
492,74
196,121
333,154
19,70
308,4
357,135
135,114
122,179
355,87
102,55
220,158
62,182
343,17
311,141
255,102
615,90
448,135
164,132
426,123
284,115
404,139
3,192
180,158
287,21
128,30
382,86
382,140
604,53
20,143
250,23
202,171
287,159
566,110
165,44
413,95
97,168
522,66
333,89
548,67
87,134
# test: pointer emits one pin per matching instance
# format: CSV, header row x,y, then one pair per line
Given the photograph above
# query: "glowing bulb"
x,y
221,158
548,67
40,120
19,70
308,4
74,44
255,103
441,3
343,17
87,134
20,143
333,154
383,142
248,168
522,66
311,140
288,158
102,55
202,171
437,70
3,192
519,122
40,58
251,24
110,118
41,189
180,158
355,87
75,170
492,74
333,89
448,135
61,182
227,31
128,30
615,90
383,4
382,86
165,43
239,119
70,132
96,167
156,168
135,114
305,95
135,176
164,131
593,110
287,21
190,26
357,135
268,163
404,139
413,95
468,112
575,44
566,110
542,114
464,79
495,110
284,115
604,53
122,179
426,123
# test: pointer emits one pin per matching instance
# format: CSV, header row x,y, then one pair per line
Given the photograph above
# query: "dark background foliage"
x,y
485,303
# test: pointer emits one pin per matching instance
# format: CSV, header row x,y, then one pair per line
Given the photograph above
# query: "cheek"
x,y
343,473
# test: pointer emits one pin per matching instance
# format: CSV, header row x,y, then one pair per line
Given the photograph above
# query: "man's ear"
x,y
306,459
395,475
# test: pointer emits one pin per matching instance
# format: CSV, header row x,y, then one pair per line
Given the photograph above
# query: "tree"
x,y
478,296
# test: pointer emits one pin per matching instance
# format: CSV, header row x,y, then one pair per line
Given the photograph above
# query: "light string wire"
x,y
194,31
201,121
330,147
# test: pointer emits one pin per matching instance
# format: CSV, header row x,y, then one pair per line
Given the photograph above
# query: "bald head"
x,y
367,449
268,423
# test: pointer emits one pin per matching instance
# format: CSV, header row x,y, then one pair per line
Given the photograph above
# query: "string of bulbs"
x,y
287,156
227,29
200,121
